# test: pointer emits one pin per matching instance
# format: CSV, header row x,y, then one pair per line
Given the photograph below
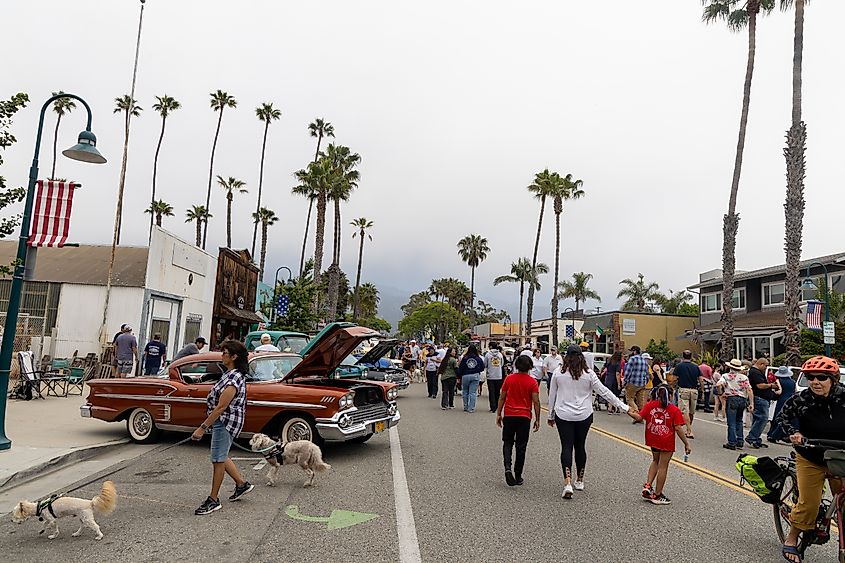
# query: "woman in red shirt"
x,y
663,421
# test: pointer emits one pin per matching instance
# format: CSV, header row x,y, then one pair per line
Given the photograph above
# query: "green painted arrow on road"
x,y
338,519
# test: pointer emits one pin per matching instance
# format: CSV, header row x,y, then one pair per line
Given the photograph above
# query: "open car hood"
x,y
332,345
377,352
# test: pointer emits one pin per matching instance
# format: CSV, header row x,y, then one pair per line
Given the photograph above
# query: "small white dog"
x,y
53,508
301,452
416,376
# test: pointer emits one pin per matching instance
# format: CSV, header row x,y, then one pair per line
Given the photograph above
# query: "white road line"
x,y
406,529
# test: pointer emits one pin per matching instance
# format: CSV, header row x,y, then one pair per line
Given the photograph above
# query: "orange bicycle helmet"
x,y
821,364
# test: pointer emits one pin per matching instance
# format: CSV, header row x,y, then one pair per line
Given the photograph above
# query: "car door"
x,y
199,377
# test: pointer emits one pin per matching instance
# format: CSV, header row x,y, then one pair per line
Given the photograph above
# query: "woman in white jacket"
x,y
571,410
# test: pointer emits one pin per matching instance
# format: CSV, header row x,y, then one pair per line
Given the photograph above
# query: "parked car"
x,y
801,383
599,361
284,340
287,395
380,368
347,367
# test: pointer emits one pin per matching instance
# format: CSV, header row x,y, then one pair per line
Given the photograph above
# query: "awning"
x,y
240,315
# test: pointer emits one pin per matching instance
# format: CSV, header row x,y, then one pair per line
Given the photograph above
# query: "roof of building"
x,y
86,264
774,317
773,270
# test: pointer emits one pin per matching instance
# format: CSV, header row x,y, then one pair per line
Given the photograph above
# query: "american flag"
x,y
570,331
814,315
282,305
51,213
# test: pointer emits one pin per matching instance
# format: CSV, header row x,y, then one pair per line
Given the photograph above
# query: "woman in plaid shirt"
x,y
226,412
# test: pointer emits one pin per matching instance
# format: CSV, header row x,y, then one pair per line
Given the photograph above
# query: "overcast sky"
x,y
453,107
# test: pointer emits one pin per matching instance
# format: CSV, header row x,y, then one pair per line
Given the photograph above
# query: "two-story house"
x,y
758,303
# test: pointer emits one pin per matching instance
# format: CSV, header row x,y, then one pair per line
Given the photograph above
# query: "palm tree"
x,y
266,113
231,185
318,128
522,273
344,179
362,224
638,293
164,105
560,189
158,209
220,100
315,182
266,217
201,215
577,289
796,139
738,14
61,106
368,300
673,302
540,188
473,251
129,107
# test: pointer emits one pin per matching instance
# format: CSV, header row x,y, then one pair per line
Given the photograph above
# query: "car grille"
x,y
369,412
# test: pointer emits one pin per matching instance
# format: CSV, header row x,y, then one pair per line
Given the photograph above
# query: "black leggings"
x,y
573,435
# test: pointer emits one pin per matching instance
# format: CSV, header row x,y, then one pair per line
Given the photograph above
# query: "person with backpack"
x,y
820,414
520,395
494,364
663,421
471,366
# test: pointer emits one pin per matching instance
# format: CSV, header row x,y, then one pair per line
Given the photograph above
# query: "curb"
x,y
71,456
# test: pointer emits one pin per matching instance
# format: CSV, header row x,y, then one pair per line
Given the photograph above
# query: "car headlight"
x,y
347,400
392,393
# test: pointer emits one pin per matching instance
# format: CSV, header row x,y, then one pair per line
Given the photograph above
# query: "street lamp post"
x,y
85,151
808,284
563,316
276,285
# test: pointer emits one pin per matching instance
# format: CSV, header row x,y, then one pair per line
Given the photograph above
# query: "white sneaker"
x,y
579,485
567,492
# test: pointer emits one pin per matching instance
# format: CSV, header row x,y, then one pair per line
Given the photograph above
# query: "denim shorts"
x,y
221,441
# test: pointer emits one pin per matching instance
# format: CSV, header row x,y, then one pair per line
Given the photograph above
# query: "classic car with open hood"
x,y
287,395
380,368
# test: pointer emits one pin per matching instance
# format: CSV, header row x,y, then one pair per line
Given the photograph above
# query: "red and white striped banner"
x,y
51,213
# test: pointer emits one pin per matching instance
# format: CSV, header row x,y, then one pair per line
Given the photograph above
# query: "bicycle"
x,y
828,508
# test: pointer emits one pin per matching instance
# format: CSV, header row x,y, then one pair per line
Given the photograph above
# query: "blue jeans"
x,y
736,408
469,390
760,417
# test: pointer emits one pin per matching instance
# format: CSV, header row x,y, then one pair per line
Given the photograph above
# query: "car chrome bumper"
x,y
331,432
85,411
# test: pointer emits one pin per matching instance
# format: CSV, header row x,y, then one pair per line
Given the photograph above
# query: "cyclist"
x,y
819,412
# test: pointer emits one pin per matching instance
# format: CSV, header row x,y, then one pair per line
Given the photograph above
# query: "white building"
x,y
167,288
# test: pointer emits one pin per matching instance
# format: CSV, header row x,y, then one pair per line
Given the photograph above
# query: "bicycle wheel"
x,y
782,509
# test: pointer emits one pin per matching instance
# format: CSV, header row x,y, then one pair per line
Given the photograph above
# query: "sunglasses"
x,y
816,377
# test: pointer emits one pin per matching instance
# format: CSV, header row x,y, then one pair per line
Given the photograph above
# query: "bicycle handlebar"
x,y
827,444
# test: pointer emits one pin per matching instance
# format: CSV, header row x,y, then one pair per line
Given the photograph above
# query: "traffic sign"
x,y
829,334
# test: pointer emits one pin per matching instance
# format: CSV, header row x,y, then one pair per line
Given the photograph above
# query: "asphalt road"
x,y
460,506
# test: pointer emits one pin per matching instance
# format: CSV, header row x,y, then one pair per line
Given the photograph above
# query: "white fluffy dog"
x,y
301,452
417,376
50,510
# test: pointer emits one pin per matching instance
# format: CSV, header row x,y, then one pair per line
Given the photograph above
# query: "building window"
x,y
711,302
193,324
739,298
773,294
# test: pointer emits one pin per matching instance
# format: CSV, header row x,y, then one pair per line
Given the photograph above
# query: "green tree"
x,y
318,129
660,351
416,301
199,214
9,196
438,320
344,179
362,225
158,209
540,188
739,14
62,106
232,185
486,313
674,302
129,108
375,323
369,300
523,274
300,294
577,289
638,294
453,291
314,182
473,250
267,218
267,114
219,101
164,106
560,189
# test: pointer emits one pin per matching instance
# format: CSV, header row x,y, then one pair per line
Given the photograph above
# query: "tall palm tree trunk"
x,y
334,269
263,249
260,183
319,240
199,231
472,288
731,219
155,169
521,301
55,143
210,176
310,207
796,139
122,182
229,198
530,311
358,277
554,287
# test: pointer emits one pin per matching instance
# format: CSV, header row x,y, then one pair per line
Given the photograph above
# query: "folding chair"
x,y
56,381
29,375
75,381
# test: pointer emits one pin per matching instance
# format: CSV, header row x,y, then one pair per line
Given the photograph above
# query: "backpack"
x,y
764,475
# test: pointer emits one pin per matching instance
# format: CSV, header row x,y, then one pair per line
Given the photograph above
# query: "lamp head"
x,y
85,150
808,284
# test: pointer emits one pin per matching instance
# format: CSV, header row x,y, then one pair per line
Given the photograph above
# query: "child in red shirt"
x,y
663,421
518,395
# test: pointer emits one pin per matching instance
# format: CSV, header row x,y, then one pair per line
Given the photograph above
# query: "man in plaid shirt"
x,y
636,378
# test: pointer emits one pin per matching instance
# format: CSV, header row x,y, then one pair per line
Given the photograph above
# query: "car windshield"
x,y
293,344
269,369
349,360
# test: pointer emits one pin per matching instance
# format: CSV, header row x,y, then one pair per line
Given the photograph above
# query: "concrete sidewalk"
x,y
48,434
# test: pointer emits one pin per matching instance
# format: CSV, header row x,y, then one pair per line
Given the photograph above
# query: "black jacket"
x,y
820,418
